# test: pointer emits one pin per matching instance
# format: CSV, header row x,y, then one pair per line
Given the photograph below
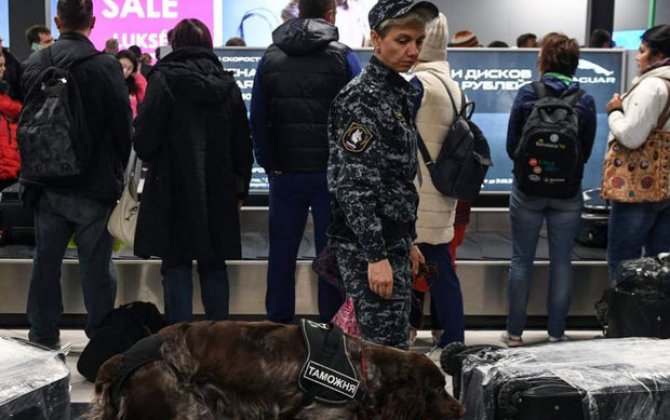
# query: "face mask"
x,y
35,46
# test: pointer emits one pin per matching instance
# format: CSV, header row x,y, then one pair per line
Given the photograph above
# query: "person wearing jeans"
x,y
637,226
436,212
292,195
178,290
527,214
57,216
557,63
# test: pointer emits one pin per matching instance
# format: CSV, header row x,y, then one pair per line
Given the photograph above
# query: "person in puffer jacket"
x,y
10,162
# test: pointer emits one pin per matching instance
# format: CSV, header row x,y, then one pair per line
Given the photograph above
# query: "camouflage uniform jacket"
x,y
372,162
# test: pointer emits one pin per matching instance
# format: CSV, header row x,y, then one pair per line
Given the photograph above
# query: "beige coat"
x,y
435,218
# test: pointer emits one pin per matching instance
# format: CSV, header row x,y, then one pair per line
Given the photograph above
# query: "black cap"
x,y
391,9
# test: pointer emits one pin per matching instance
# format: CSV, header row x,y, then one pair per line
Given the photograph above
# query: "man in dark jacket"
x,y
79,205
296,81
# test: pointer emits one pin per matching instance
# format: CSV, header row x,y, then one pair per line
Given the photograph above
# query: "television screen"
x,y
629,40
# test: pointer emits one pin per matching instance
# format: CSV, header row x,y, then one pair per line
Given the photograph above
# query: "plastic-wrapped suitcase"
x,y
452,358
582,380
34,382
639,304
594,220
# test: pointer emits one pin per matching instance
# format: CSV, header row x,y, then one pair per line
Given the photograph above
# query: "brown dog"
x,y
249,371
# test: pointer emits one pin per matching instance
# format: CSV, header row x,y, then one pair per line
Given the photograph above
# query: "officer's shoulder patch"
x,y
356,138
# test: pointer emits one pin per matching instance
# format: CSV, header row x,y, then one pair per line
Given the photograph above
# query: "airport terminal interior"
x,y
491,78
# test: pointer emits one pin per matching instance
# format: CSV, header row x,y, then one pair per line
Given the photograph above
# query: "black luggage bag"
x,y
581,380
639,305
594,220
17,226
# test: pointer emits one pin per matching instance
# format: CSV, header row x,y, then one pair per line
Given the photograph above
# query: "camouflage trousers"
x,y
382,321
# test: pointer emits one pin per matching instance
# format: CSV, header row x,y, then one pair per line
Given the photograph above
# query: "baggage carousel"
x,y
483,262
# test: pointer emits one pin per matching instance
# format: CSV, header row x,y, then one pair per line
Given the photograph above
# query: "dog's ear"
x,y
102,408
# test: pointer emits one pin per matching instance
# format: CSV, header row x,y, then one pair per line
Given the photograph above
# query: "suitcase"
x,y
582,380
35,382
17,225
452,358
639,305
594,220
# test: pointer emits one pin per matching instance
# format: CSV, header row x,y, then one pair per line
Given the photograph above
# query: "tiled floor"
x,y
82,390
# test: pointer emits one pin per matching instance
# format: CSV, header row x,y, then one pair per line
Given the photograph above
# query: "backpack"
x,y
53,136
119,331
548,158
465,156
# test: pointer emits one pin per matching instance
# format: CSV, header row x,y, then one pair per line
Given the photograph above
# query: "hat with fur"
x,y
434,46
464,39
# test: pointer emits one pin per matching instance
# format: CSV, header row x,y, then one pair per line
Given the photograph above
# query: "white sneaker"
x,y
558,339
511,340
434,355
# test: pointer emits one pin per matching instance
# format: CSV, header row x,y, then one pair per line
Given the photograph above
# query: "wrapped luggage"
x,y
34,383
639,304
614,379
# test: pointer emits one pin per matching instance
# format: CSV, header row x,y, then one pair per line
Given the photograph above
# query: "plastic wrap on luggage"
x,y
618,378
34,383
644,276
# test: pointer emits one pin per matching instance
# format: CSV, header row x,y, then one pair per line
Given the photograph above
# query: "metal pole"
x,y
652,13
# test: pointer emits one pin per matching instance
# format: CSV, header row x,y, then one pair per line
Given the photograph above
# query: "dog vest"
x,y
145,351
328,376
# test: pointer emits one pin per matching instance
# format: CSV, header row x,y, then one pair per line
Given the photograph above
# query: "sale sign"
x,y
144,23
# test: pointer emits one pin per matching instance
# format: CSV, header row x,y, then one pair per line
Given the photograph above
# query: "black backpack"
x,y
53,136
548,158
119,331
465,156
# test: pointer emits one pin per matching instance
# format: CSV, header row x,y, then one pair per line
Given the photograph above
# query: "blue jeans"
x,y
291,196
445,292
633,226
57,217
563,218
178,290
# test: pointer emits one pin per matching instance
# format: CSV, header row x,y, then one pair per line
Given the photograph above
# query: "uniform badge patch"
x,y
357,138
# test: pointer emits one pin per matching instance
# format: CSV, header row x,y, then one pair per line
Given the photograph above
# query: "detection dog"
x,y
249,371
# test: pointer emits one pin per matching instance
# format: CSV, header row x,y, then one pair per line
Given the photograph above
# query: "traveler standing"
x,y
81,204
295,83
371,170
436,212
634,226
193,132
557,63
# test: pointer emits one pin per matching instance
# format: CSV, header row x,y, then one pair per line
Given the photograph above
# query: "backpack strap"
x,y
572,99
540,89
424,151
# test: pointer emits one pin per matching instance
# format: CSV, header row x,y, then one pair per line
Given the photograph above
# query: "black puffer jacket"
x,y
107,111
302,72
193,131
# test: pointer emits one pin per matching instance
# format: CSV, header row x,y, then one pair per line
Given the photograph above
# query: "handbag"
x,y
639,175
123,220
345,318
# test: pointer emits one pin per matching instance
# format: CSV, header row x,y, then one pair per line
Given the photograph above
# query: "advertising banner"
x,y
144,23
4,22
491,79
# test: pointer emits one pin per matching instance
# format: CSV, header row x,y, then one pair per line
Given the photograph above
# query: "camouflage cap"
x,y
391,9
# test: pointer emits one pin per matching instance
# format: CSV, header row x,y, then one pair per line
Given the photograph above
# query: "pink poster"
x,y
145,23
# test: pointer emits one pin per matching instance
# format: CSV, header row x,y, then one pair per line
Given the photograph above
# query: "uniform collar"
x,y
381,71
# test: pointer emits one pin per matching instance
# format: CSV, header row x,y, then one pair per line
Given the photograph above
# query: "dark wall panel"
x,y
23,14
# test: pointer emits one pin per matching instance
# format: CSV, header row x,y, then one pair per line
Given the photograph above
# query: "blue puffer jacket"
x,y
523,104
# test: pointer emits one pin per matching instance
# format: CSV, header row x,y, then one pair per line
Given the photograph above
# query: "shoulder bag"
x,y
639,175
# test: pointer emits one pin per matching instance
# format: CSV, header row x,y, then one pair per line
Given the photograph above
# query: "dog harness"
x,y
145,351
328,376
